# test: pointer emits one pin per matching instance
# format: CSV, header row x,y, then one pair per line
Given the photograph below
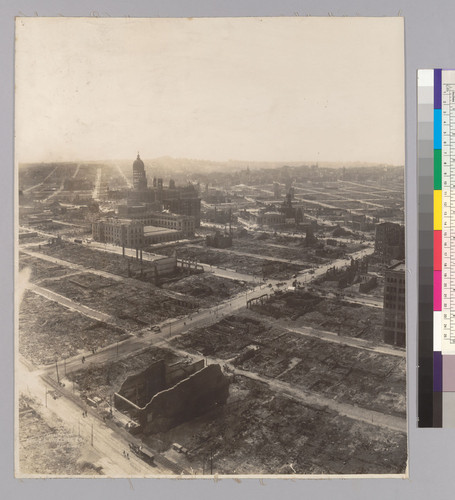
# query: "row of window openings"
x,y
394,305
391,324
401,281
395,291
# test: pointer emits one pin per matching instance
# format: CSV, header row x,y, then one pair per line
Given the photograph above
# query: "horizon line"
x,y
293,163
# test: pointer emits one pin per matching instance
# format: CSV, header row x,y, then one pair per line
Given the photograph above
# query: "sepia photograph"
x,y
210,247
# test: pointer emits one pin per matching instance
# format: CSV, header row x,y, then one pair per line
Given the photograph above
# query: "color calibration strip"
x,y
437,232
436,167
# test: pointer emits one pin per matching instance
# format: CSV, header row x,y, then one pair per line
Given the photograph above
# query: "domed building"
x,y
180,200
139,177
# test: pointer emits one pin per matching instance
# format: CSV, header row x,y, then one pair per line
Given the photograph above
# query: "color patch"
x,y
437,254
437,210
437,84
448,373
437,130
448,410
437,328
437,290
437,371
437,169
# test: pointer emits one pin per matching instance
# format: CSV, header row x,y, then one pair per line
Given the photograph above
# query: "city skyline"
x,y
241,293
207,162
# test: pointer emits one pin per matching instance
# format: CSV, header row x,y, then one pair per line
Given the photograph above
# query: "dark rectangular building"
x,y
395,305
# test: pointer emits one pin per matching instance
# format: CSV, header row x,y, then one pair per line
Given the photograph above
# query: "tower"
x,y
395,305
139,177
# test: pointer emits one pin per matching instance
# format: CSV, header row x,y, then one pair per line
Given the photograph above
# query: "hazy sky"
x,y
270,89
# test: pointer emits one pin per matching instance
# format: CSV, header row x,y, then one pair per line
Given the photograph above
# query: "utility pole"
x,y
56,369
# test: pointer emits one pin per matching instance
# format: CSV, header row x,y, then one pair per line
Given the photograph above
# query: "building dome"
x,y
138,163
139,177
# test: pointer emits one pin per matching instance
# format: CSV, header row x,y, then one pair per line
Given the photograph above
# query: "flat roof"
x,y
399,266
154,230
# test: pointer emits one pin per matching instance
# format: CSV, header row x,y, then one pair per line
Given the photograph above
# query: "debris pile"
x,y
259,431
49,331
49,449
208,288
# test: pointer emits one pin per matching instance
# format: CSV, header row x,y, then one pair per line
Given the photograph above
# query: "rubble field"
x,y
99,260
376,292
371,380
349,205
228,338
69,230
57,228
346,319
303,308
48,331
49,174
31,238
260,431
41,269
49,448
134,304
290,247
50,227
207,288
240,263
276,246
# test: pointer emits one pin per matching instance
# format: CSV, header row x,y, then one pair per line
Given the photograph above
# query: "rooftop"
x,y
398,266
154,230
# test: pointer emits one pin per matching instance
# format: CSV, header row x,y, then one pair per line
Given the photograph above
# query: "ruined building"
x,y
164,396
219,240
389,241
290,212
395,305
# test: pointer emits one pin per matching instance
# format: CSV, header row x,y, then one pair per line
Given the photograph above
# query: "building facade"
x,y
389,241
395,305
139,176
185,224
120,232
132,233
271,219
